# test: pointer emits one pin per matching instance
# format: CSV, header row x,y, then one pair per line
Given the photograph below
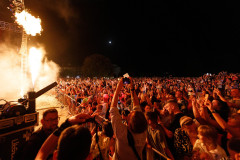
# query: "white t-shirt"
x,y
122,149
216,154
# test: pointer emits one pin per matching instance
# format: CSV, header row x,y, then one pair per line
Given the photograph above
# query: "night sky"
x,y
149,37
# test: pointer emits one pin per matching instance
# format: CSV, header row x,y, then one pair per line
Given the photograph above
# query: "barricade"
x,y
72,105
69,102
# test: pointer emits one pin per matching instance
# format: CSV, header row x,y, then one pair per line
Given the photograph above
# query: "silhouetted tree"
x,y
97,65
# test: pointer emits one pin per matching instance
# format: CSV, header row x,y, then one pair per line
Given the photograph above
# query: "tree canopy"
x,y
97,65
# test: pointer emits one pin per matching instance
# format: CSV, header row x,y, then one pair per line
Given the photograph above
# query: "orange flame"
x,y
31,25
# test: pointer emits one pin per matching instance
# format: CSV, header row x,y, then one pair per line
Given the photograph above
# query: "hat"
x,y
184,120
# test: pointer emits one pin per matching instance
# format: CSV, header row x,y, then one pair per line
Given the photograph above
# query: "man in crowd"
x,y
49,124
105,106
175,115
182,103
156,138
71,140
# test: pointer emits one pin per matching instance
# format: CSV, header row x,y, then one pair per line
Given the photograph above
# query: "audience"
x,y
163,113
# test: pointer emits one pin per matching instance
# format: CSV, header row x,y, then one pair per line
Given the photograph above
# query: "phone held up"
x,y
126,80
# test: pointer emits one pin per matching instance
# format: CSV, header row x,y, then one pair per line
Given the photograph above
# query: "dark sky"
x,y
149,37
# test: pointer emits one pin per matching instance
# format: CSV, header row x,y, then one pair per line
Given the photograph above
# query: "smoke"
x,y
65,10
49,72
10,73
10,81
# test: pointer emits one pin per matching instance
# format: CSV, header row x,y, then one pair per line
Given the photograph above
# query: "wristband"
x,y
63,126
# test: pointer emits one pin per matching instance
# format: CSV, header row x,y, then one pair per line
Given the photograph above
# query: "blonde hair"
x,y
208,132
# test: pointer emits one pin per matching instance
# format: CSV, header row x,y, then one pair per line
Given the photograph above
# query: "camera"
x,y
126,80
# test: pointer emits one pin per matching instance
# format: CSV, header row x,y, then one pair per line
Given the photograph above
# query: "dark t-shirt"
x,y
32,146
175,122
173,126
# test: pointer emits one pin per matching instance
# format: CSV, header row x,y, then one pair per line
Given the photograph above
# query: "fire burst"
x,y
35,62
31,25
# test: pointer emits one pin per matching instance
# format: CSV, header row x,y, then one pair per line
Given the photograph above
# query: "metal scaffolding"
x,y
17,6
10,27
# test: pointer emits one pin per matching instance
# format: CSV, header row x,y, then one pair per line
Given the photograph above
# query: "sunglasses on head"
x,y
189,123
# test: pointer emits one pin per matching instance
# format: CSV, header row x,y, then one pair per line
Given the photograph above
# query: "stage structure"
x,y
19,7
17,119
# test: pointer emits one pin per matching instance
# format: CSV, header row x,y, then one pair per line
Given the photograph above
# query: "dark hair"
x,y
52,110
137,122
152,116
95,103
74,143
125,112
234,144
208,131
107,129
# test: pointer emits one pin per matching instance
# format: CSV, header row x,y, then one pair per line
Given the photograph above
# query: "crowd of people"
x,y
148,118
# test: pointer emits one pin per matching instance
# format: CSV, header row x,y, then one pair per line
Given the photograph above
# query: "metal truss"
x,y
10,27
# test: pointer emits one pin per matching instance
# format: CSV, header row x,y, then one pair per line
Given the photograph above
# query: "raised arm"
x,y
207,116
116,93
195,109
217,91
133,93
222,123
196,112
219,94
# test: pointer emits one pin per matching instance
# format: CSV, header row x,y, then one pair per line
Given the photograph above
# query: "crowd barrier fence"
x,y
73,107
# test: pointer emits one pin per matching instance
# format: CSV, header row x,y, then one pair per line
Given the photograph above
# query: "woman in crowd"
x,y
185,137
131,138
207,144
232,126
101,143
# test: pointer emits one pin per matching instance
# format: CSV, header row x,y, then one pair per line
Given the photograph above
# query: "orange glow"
x,y
35,62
